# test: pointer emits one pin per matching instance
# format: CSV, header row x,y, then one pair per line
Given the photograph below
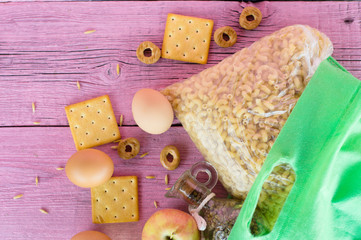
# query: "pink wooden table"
x,y
44,52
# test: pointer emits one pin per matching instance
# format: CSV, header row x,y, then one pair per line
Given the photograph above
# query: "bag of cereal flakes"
x,y
235,110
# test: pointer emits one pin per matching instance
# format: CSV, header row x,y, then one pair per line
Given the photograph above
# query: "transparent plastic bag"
x,y
275,190
235,110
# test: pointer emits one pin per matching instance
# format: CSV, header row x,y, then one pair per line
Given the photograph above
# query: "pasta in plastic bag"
x,y
235,110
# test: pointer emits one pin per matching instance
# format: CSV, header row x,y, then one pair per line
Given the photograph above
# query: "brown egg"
x,y
89,168
90,235
152,111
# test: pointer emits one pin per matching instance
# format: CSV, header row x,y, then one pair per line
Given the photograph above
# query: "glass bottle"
x,y
220,214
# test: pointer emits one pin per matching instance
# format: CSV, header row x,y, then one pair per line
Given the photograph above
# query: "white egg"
x,y
152,111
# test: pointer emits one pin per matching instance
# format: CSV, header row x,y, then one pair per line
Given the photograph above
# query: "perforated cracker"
x,y
116,200
187,38
92,122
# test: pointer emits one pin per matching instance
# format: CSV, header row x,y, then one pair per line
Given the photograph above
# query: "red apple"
x,y
170,224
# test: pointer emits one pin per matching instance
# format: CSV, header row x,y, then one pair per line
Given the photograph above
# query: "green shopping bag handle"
x,y
323,113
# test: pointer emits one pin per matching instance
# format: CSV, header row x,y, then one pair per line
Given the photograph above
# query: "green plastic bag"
x,y
321,141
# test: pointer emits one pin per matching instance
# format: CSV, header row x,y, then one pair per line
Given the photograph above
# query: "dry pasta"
x,y
234,111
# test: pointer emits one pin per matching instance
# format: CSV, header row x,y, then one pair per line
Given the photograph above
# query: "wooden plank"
x,y
44,51
37,151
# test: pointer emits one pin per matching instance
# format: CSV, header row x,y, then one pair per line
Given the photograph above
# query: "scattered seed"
x,y
144,154
118,69
121,120
168,188
43,211
116,141
33,106
18,196
166,179
78,84
150,177
114,147
36,123
59,168
89,32
36,180
155,204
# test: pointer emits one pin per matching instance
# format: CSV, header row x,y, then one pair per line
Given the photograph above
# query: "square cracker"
x,y
187,38
92,122
116,200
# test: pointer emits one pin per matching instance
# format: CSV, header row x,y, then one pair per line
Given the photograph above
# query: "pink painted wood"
x,y
44,52
33,151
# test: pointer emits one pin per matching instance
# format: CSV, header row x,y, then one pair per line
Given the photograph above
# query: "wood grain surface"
x,y
44,52
37,151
